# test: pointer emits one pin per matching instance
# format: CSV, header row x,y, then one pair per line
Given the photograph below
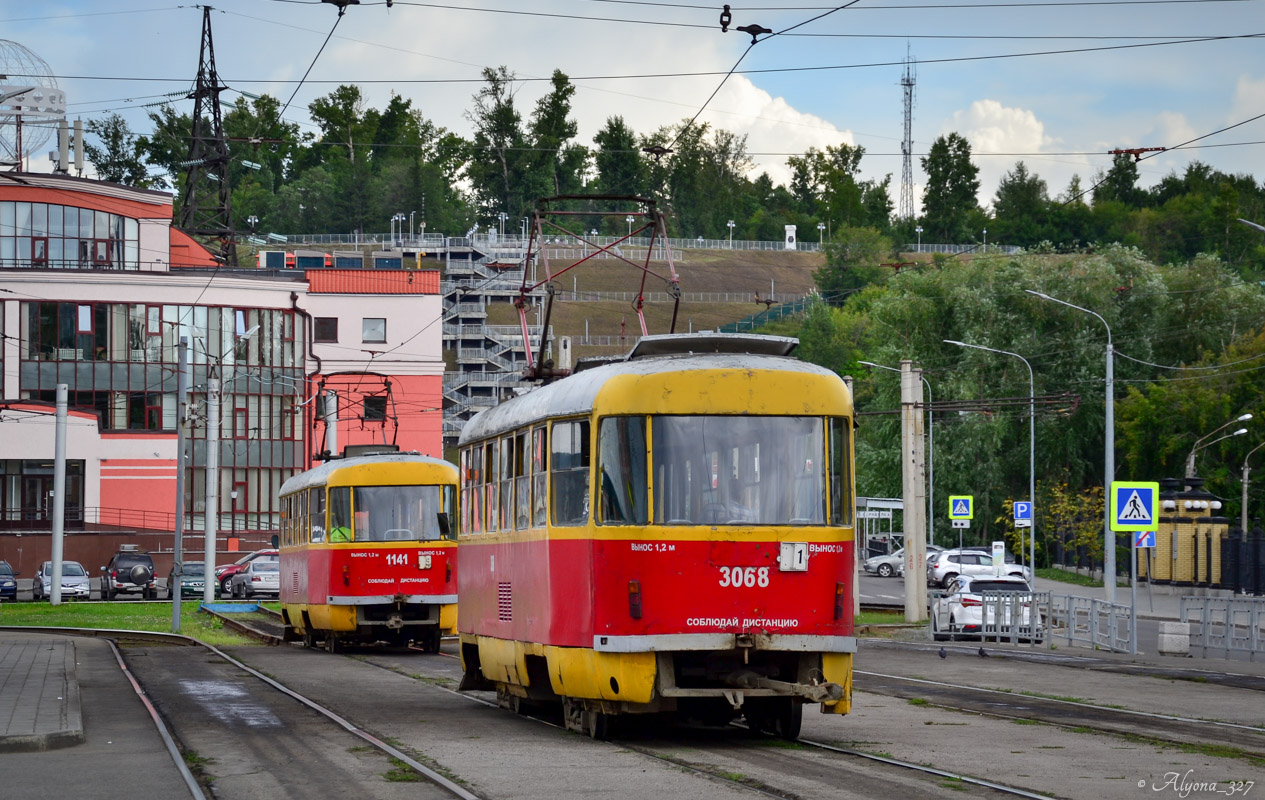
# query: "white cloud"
x,y
991,127
1249,99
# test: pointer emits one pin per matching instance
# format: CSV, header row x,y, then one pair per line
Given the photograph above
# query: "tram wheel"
x,y
309,639
787,720
331,643
599,725
430,640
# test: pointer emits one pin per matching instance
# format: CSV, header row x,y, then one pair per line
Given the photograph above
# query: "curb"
x,y
70,716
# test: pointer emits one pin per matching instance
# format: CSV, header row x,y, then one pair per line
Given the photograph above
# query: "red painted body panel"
x,y
565,592
313,573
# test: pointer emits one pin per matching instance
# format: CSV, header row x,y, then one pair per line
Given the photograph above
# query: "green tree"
x,y
499,159
118,158
620,168
853,261
1021,208
1120,182
951,189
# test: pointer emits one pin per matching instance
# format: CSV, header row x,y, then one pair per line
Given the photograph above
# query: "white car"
x,y
948,564
261,576
1008,610
74,581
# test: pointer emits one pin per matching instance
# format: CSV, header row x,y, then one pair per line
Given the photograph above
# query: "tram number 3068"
x,y
738,577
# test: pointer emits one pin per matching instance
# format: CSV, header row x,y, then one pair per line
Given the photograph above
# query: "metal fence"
x,y
1091,623
1007,617
1229,625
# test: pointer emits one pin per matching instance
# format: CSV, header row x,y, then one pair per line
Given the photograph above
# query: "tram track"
x,y
1247,740
763,750
148,695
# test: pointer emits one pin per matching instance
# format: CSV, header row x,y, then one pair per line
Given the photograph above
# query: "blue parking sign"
x,y
1023,510
1134,505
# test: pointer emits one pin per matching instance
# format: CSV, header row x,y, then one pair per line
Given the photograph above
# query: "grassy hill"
x,y
737,272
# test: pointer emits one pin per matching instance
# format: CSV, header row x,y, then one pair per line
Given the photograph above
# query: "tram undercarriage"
x,y
398,623
767,687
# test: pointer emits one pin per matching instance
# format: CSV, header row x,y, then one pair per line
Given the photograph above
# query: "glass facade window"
x,y
48,236
374,329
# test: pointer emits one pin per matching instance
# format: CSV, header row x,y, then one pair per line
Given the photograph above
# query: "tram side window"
x,y
621,463
538,477
316,503
522,482
507,483
472,498
340,520
840,472
570,473
491,491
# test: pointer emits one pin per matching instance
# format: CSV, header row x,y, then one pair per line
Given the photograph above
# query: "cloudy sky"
x,y
1054,83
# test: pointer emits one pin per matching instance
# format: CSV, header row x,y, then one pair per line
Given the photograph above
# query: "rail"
x,y
1091,622
1229,625
1006,617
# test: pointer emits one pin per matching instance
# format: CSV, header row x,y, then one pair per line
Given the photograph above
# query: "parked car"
x,y
8,582
74,581
963,611
192,579
129,572
261,576
948,564
893,563
224,575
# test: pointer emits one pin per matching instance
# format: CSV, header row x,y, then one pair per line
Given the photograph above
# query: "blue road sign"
x,y
1145,539
1134,505
961,506
1023,510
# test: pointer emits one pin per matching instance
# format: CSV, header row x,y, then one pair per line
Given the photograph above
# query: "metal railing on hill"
x,y
770,314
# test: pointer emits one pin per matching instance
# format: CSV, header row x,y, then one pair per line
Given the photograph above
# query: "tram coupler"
x,y
813,693
395,622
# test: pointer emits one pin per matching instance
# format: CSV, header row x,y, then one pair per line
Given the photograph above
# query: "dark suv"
x,y
129,571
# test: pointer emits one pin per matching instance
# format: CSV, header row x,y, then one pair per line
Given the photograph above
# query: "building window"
x,y
375,408
374,329
326,329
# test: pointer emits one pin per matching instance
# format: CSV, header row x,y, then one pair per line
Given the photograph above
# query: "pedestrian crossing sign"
x,y
962,506
1134,505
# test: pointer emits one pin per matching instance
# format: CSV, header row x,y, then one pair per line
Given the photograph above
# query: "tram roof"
x,y
577,393
319,476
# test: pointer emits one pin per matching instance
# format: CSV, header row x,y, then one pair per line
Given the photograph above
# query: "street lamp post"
x,y
1109,453
629,220
410,225
986,240
730,224
1246,469
502,216
931,453
821,228
1032,451
1199,443
918,230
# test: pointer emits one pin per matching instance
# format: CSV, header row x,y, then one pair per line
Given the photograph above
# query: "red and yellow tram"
x,y
369,552
668,532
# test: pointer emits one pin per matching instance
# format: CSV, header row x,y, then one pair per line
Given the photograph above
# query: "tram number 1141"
x,y
750,577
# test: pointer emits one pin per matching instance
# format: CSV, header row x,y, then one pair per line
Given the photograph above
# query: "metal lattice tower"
x,y
907,144
207,210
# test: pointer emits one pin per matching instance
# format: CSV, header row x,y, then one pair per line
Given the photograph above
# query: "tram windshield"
x,y
394,513
739,470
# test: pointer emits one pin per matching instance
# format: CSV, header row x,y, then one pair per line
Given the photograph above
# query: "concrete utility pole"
x,y
210,518
182,427
59,493
914,480
331,422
